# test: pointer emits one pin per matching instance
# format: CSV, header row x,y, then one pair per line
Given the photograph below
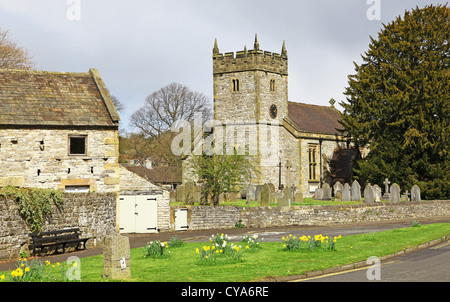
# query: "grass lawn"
x,y
271,259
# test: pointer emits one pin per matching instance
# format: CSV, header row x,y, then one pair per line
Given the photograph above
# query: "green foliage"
x,y
239,224
222,173
308,243
175,242
34,204
398,103
37,271
156,249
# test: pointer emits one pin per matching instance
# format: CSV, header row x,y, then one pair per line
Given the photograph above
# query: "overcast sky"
x,y
141,46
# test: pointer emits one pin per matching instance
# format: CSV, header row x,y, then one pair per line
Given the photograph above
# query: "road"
x,y
426,265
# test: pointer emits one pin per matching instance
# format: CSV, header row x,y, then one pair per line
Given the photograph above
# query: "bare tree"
x,y
13,56
164,107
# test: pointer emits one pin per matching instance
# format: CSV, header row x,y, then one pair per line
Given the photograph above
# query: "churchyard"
x,y
268,195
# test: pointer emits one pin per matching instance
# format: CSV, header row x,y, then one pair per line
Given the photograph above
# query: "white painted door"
x,y
181,219
146,214
127,214
138,214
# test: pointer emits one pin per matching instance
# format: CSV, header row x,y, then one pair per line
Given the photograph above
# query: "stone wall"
x,y
39,158
204,217
93,213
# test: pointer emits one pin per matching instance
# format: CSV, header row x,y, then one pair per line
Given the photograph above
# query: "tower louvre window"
x,y
235,84
272,85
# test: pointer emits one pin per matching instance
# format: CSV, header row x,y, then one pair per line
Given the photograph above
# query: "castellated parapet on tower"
x,y
250,60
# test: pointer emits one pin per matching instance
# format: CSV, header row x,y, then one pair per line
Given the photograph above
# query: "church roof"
x,y
314,118
41,98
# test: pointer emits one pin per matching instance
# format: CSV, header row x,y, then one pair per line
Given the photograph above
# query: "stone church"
x,y
293,144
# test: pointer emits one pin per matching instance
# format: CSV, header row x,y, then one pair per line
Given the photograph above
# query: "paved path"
x,y
265,234
426,265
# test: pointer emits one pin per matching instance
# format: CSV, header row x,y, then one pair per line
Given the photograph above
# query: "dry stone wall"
x,y
93,213
204,217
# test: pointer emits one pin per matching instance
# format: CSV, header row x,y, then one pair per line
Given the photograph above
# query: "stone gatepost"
x,y
116,257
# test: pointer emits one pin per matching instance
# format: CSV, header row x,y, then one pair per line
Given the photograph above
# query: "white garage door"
x,y
138,214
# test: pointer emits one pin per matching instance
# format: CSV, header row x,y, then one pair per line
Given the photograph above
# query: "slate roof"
x,y
41,98
162,175
314,118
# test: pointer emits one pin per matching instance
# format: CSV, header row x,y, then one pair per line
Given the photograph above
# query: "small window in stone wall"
x,y
235,84
272,85
78,145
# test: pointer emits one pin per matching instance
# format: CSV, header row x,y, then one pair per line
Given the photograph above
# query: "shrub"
x,y
156,249
175,242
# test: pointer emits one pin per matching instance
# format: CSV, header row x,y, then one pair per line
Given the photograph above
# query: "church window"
x,y
312,152
272,85
235,84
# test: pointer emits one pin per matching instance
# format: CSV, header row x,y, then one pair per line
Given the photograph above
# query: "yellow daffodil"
x,y
2,277
27,269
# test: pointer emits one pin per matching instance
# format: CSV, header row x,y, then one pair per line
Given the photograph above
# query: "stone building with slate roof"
x,y
251,93
58,130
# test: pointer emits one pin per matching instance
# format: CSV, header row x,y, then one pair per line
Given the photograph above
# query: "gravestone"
x,y
346,193
265,196
298,196
394,193
415,193
355,191
326,192
386,183
338,196
234,196
197,193
377,192
189,191
172,196
405,197
180,193
338,187
369,195
250,193
258,193
116,257
318,194
285,198
273,195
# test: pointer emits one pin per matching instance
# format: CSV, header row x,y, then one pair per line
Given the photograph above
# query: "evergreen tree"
x,y
398,103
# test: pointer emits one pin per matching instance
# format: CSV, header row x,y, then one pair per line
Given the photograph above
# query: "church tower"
x,y
251,89
251,85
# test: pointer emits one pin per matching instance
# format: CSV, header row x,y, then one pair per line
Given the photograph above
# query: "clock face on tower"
x,y
273,111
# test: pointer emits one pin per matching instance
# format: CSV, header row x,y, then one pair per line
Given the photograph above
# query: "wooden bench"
x,y
57,239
